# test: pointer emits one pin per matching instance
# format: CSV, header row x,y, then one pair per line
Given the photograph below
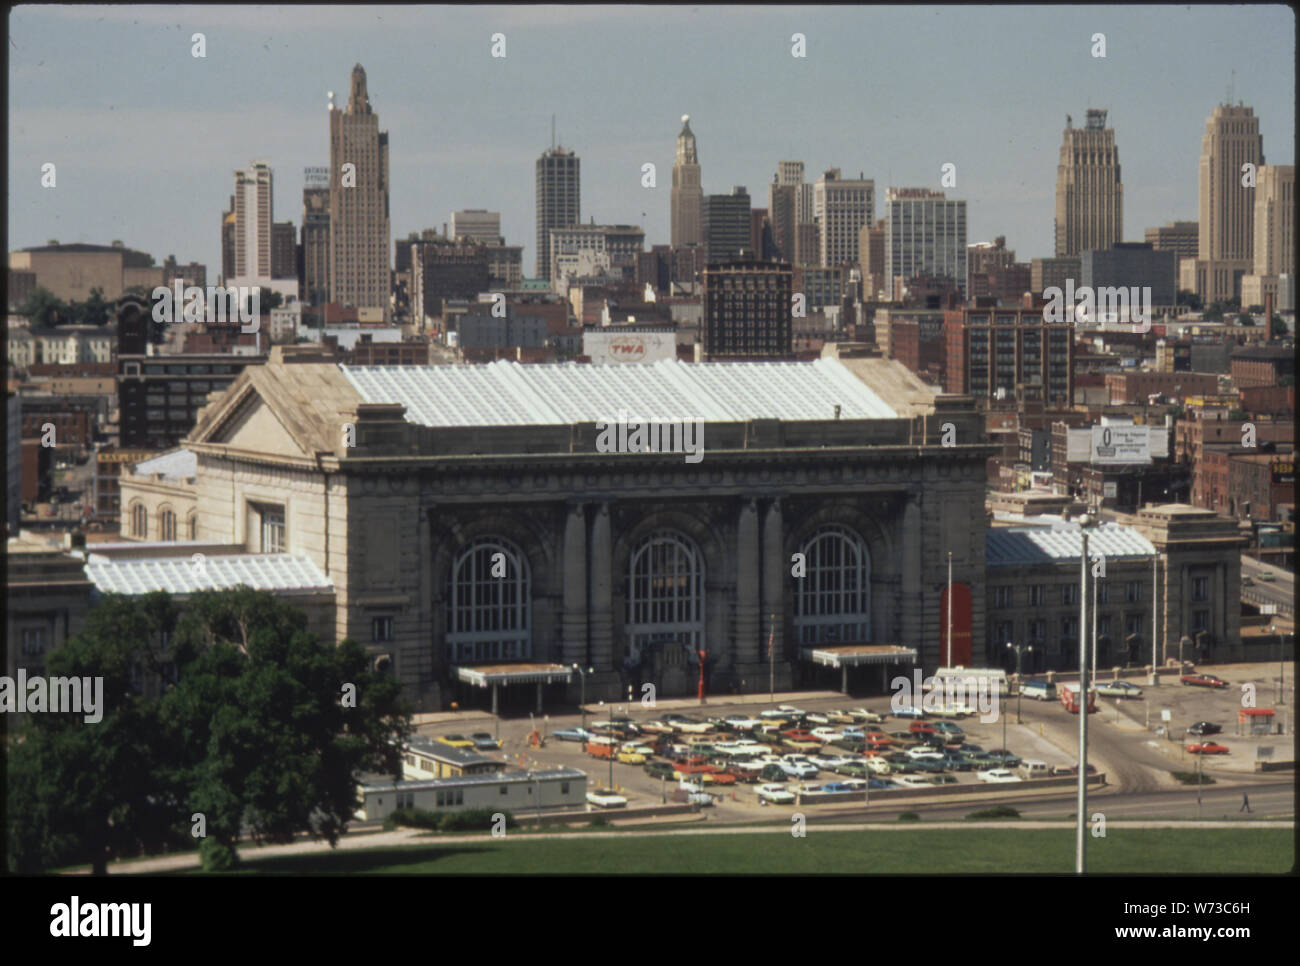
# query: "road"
x,y
1280,591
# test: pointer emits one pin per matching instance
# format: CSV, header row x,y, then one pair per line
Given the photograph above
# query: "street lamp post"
x,y
1085,524
582,701
611,746
1281,663
1019,649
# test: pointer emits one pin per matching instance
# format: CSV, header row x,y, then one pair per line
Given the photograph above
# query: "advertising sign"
x,y
619,347
1121,444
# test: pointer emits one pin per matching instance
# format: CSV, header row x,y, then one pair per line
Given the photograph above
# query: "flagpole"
x,y
771,657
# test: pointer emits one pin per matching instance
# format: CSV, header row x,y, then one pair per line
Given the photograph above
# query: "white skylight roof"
x,y
1020,545
279,572
505,393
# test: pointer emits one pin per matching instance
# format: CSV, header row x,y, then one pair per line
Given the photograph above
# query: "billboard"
x,y
612,346
1284,472
316,177
1120,444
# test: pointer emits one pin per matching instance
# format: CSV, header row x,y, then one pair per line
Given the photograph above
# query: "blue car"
x,y
875,783
572,734
909,713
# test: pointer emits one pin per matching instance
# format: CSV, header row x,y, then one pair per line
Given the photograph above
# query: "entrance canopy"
x,y
853,655
490,675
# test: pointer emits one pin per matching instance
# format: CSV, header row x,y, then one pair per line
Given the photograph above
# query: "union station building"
x,y
476,539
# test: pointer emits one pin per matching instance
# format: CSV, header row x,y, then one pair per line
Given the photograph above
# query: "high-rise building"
x,y
284,250
725,225
228,241
1226,207
314,283
841,208
558,200
1006,353
476,225
871,261
360,227
253,220
1178,237
1274,252
925,234
687,195
1131,265
1089,193
620,244
789,173
781,200
747,311
762,243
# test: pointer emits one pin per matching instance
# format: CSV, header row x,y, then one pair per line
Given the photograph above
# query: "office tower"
x,y
1178,237
228,241
1274,217
781,213
253,221
687,195
841,208
747,311
925,234
476,225
1009,353
558,200
616,247
314,284
284,250
726,226
871,261
762,243
789,173
359,213
1227,208
1089,195
1131,265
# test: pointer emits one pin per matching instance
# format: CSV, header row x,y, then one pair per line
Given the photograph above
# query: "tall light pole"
x,y
1080,840
949,608
1281,663
582,701
1019,649
1155,618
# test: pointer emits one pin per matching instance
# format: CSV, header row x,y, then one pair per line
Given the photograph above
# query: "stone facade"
x,y
389,518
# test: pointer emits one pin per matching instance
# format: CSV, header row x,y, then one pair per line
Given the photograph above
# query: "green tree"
x,y
1278,328
88,791
1190,299
270,749
1245,318
44,308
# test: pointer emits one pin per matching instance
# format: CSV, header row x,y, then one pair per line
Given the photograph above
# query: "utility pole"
x,y
949,608
771,657
1082,805
1155,618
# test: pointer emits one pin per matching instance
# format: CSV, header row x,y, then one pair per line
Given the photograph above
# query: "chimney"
x,y
699,352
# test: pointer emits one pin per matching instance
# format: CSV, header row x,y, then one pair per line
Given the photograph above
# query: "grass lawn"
x,y
999,851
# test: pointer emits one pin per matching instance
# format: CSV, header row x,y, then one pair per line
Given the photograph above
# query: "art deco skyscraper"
x,y
688,196
1226,208
1089,195
841,208
253,221
359,216
1275,220
559,189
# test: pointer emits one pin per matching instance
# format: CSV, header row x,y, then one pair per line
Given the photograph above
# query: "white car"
x,y
606,799
827,734
798,767
862,714
638,749
924,752
741,722
691,727
840,716
1119,689
997,775
879,766
910,781
829,762
817,717
791,710
775,795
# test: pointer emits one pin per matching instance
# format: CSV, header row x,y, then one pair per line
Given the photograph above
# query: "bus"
x,y
1070,698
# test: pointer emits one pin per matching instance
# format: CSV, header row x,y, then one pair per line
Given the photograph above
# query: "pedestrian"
x,y
1245,803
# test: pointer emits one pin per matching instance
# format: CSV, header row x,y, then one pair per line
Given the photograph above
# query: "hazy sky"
x,y
146,137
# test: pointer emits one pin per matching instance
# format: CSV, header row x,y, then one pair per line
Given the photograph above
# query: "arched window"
x,y
139,521
192,524
665,598
166,524
832,603
488,603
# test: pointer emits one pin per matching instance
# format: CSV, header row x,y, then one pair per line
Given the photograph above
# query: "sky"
x,y
145,137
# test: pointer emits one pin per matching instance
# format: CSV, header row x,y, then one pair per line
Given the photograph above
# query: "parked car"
x,y
910,781
484,741
456,741
839,716
775,795
817,717
866,716
916,713
630,758
1207,748
919,753
997,775
853,768
928,764
1039,690
1204,728
603,798
659,769
829,762
921,728
656,727
1005,758
772,772
950,731
1033,768
571,734
798,768
1119,689
958,763
1072,769
1204,681
941,779
826,734
741,722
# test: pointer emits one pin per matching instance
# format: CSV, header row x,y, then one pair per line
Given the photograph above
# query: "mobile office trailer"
x,y
1070,698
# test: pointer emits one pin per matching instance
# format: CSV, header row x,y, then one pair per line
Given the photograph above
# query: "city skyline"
x,y
477,148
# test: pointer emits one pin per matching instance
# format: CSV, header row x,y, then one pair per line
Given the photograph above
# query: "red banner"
x,y
961,621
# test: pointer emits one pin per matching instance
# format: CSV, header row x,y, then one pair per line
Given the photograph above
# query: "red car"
x,y
1204,681
922,728
878,739
799,734
1207,748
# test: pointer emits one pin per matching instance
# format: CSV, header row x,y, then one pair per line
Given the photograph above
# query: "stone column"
x,y
602,607
774,570
573,622
910,539
745,644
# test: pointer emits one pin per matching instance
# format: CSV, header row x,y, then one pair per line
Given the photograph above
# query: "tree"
x,y
1245,318
44,308
88,791
1190,299
1278,329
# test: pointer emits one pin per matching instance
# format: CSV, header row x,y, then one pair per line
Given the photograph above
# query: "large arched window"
x,y
832,602
166,524
665,598
139,521
488,603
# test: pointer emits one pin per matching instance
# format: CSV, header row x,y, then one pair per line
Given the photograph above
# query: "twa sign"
x,y
633,347
627,349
